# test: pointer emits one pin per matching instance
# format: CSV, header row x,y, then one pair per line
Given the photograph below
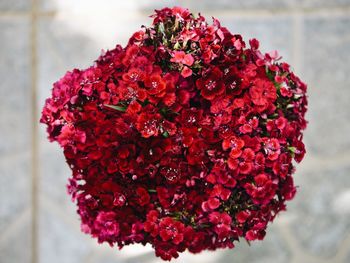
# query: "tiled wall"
x,y
41,39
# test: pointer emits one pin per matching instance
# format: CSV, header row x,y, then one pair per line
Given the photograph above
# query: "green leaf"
x,y
292,149
165,134
144,103
115,107
163,111
161,28
177,45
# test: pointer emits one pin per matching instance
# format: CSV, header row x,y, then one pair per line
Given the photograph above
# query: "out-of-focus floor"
x,y
41,39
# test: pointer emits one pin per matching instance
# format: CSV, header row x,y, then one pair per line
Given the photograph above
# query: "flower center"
x,y
171,174
191,119
154,84
211,85
134,76
150,127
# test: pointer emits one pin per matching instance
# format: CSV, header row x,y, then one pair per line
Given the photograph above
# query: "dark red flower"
x,y
211,86
166,251
143,197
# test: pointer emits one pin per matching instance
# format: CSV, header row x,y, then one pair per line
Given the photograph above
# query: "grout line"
x,y
35,131
47,13
26,14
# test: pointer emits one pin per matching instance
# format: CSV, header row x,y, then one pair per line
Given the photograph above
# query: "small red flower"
x,y
222,223
235,144
134,75
242,216
170,229
155,85
151,225
262,191
143,196
272,148
262,93
148,124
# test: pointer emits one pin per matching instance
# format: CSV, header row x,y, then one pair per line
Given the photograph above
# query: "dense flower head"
x,y
184,139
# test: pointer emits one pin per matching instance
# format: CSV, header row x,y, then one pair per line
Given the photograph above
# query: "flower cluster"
x,y
184,139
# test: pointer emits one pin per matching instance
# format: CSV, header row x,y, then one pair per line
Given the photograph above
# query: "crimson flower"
x,y
262,190
148,124
222,223
171,230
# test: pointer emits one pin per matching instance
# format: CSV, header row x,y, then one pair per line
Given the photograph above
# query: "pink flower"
x,y
186,72
211,204
106,226
183,58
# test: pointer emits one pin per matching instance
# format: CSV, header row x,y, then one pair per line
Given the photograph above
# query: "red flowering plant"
x,y
184,139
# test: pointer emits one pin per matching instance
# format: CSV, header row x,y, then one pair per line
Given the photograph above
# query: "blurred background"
x,y
42,39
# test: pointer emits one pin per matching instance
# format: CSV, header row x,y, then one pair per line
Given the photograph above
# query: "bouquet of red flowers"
x,y
183,139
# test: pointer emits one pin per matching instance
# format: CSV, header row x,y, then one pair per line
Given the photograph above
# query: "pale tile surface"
x,y
326,60
312,35
322,205
14,85
15,5
15,132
